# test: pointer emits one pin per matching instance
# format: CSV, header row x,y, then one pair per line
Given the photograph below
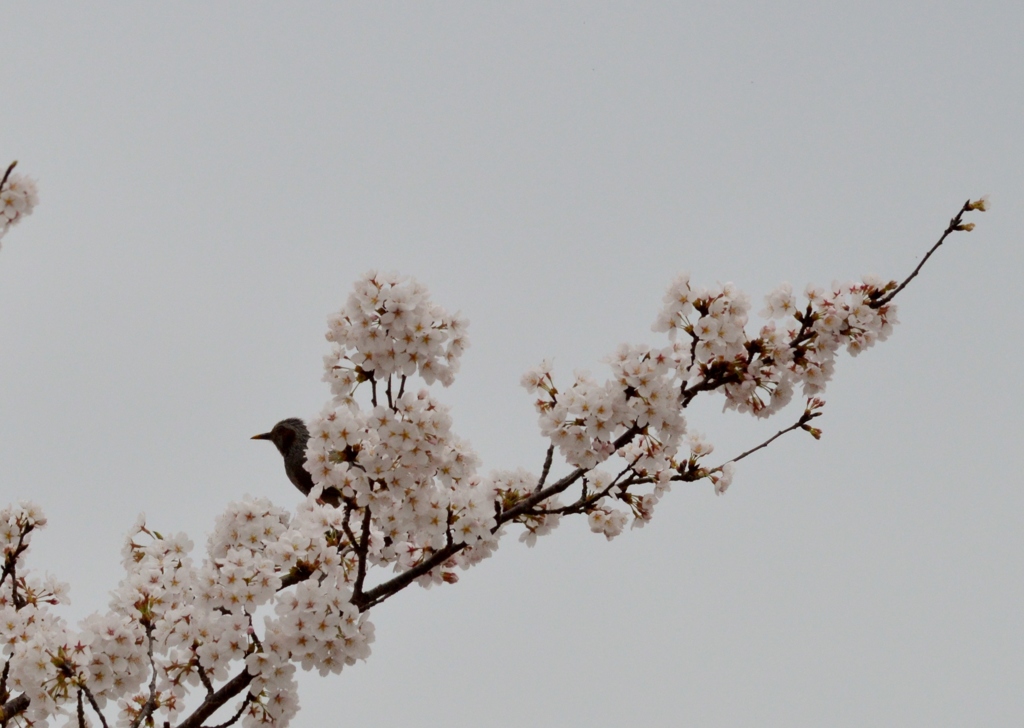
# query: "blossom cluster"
x,y
174,626
759,374
636,414
398,459
31,633
389,326
800,350
585,420
18,197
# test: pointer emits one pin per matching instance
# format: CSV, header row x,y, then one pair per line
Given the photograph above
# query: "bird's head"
x,y
285,434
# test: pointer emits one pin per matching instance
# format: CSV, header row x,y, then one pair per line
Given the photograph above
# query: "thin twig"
x,y
95,706
252,634
348,528
954,225
799,424
204,678
150,706
547,467
8,174
585,501
11,566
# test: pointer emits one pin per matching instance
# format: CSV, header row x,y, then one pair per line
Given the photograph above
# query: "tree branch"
x,y
391,587
806,417
3,681
150,706
8,174
585,501
11,565
547,466
955,224
364,543
13,708
95,706
238,714
203,677
214,702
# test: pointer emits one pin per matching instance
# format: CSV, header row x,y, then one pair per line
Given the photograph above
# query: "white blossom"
x,y
18,197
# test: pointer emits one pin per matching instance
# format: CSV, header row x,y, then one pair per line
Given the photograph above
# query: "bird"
x,y
290,436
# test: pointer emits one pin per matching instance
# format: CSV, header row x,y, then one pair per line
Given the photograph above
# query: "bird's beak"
x,y
264,436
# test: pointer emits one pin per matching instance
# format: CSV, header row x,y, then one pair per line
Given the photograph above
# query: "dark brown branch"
x,y
11,566
254,637
527,504
694,339
214,702
8,174
346,527
3,681
95,706
364,545
547,467
713,381
389,588
13,708
203,677
238,714
585,502
12,558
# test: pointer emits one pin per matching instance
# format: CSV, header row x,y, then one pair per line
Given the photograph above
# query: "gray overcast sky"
x,y
214,177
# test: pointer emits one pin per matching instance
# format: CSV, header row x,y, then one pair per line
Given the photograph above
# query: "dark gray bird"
x,y
290,436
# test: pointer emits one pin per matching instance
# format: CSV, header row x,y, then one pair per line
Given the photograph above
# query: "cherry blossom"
x,y
18,197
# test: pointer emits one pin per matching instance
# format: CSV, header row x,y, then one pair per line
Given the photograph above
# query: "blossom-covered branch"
x,y
413,505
